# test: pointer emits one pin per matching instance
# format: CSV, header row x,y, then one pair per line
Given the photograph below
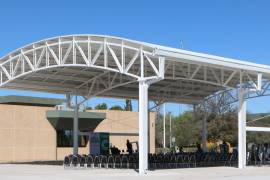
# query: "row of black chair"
x,y
101,161
258,154
156,161
188,160
160,161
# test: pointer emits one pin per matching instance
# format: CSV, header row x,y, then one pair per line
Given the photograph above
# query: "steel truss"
x,y
78,52
231,96
65,64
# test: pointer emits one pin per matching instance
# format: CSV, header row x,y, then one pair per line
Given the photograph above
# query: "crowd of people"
x,y
117,151
223,148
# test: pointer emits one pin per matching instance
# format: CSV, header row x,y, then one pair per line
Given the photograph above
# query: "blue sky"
x,y
238,29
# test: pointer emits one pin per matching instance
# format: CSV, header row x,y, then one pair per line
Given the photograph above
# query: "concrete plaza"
x,y
52,172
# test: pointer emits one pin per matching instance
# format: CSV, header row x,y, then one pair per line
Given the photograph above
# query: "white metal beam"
x,y
258,129
210,60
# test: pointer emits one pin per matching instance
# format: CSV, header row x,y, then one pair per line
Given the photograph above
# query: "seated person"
x,y
115,150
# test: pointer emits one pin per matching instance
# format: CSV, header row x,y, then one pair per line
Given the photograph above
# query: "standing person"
x,y
226,147
199,148
129,147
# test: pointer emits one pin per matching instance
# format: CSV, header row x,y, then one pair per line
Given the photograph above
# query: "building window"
x,y
65,139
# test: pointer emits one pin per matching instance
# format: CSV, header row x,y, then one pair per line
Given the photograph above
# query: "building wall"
x,y
26,134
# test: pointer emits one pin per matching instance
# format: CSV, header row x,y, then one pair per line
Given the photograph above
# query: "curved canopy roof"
x,y
93,65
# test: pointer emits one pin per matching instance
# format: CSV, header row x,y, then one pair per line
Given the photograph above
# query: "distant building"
x,y
31,129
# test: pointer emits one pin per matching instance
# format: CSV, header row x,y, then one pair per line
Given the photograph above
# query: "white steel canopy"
x,y
111,67
105,66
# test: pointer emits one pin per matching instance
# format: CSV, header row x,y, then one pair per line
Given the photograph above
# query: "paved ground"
x,y
40,172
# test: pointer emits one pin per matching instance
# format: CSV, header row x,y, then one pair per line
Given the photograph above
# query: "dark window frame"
x,y
65,139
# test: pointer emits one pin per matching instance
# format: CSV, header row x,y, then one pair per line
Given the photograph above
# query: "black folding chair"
x,y
75,160
132,162
83,160
90,161
124,161
103,161
117,161
97,162
67,161
111,162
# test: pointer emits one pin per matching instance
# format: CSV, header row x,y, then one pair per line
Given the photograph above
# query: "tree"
x,y
186,129
221,125
221,120
89,108
101,106
116,107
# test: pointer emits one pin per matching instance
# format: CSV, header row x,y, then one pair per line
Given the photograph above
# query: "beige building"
x,y
27,135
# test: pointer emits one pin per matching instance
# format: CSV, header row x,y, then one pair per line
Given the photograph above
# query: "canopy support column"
x,y
75,127
143,127
242,129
